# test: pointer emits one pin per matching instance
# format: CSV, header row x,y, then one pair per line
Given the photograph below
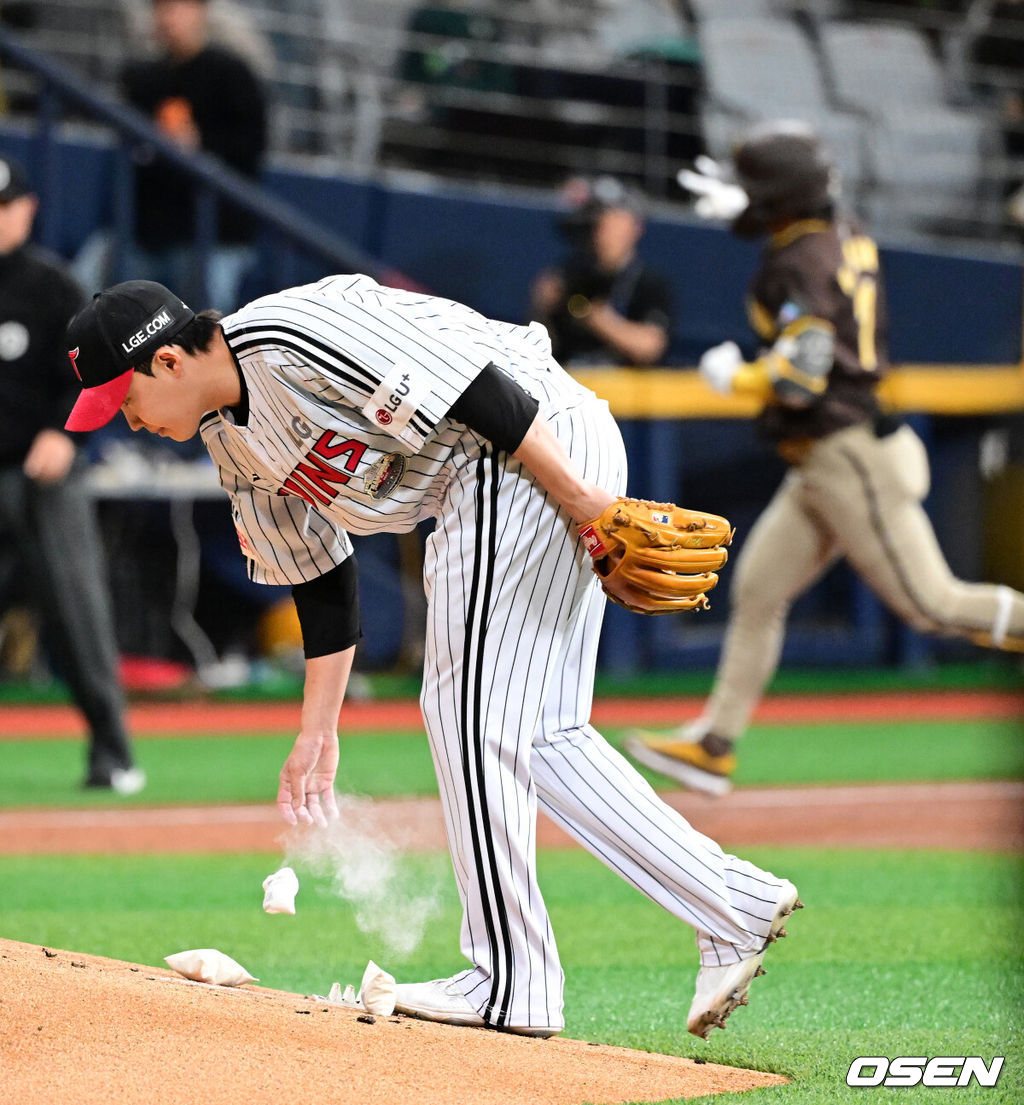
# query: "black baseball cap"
x,y
122,327
14,180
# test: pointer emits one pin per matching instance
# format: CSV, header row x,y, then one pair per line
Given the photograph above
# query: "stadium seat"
x,y
928,156
707,11
768,68
882,68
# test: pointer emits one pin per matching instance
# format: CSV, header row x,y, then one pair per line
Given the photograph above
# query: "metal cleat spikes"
x,y
760,971
782,932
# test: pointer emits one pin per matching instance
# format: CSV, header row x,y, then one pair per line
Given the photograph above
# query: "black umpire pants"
x,y
56,539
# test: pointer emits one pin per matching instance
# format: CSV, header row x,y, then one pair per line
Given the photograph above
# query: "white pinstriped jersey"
x,y
348,386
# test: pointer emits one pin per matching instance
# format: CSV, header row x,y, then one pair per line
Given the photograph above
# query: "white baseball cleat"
x,y
440,1000
720,990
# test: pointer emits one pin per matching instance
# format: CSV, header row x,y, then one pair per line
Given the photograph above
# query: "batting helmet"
x,y
787,173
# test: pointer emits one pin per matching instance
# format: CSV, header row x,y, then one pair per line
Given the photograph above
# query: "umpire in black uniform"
x,y
44,510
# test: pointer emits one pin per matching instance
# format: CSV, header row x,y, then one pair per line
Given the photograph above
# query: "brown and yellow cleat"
x,y
683,760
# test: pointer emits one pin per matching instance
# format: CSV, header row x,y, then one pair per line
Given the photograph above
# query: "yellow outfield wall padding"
x,y
926,389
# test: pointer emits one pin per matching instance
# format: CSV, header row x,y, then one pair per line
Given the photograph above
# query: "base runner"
x,y
347,407
857,475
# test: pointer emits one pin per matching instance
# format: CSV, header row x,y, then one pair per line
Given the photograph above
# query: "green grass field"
x,y
897,953
233,768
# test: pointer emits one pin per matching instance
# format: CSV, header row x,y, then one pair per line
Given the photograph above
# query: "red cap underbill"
x,y
96,406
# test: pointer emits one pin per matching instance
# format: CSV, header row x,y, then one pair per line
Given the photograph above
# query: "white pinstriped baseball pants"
x,y
514,614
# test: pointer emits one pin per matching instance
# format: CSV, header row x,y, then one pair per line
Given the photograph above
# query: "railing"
x,y
297,234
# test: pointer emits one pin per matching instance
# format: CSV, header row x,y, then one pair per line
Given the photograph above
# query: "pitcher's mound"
x,y
77,1028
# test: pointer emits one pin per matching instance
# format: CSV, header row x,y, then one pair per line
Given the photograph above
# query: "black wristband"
x,y
328,609
497,408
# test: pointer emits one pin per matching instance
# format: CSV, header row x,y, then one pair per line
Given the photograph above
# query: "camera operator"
x,y
603,305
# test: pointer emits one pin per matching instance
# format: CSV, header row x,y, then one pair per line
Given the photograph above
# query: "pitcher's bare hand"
x,y
306,793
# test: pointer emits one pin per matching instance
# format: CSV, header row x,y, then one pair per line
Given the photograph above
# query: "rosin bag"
x,y
279,890
377,992
209,965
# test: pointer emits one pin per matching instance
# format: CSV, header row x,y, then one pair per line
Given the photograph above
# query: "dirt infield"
x,y
89,1031
973,816
153,719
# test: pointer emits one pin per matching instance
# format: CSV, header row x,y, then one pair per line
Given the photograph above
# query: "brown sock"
x,y
716,746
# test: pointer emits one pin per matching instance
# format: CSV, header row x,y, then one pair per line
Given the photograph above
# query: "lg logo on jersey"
x,y
396,401
909,1070
385,414
402,389
301,428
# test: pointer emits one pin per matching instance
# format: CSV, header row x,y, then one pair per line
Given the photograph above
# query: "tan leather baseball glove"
x,y
656,558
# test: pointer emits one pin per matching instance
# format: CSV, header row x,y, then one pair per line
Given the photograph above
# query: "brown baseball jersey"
x,y
826,273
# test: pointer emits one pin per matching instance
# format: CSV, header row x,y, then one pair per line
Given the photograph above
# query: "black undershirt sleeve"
x,y
328,609
497,408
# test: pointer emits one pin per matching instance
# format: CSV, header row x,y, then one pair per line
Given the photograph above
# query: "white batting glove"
x,y
719,365
717,198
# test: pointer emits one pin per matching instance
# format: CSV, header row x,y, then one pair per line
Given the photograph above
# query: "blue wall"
x,y
945,307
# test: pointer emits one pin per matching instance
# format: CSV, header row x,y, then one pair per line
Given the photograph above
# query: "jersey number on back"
x,y
858,279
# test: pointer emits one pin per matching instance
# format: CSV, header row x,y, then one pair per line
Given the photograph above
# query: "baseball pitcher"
x,y
347,407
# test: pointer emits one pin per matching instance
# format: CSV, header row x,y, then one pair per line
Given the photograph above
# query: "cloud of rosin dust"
x,y
391,900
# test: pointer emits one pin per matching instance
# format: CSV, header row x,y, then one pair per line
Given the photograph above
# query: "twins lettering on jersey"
x,y
317,476
332,463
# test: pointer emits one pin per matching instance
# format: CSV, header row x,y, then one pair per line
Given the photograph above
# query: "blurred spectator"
x,y
203,97
604,305
45,513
